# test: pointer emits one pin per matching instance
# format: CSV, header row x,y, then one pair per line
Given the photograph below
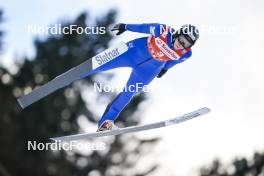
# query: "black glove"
x,y
120,27
161,73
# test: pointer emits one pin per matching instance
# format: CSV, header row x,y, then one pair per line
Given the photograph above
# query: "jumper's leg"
x,y
137,80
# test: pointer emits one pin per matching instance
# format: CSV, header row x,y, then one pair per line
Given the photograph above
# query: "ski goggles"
x,y
185,42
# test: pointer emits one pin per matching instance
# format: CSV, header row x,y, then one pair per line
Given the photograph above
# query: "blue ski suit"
x,y
144,67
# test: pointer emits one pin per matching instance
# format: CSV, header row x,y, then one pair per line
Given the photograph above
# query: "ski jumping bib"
x,y
160,50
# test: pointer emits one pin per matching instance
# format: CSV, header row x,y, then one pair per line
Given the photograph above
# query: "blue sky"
x,y
19,15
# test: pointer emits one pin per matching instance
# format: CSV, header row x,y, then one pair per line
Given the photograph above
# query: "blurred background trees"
x,y
1,32
58,113
239,167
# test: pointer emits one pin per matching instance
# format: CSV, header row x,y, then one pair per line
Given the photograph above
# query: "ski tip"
x,y
20,103
204,110
56,139
53,139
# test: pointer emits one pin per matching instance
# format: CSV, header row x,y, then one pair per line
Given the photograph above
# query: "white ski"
x,y
132,129
73,74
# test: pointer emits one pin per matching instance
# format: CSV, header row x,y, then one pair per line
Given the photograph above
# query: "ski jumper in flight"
x,y
149,57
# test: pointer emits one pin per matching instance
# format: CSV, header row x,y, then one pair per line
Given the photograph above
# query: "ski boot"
x,y
107,125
